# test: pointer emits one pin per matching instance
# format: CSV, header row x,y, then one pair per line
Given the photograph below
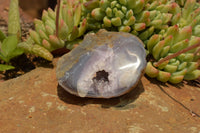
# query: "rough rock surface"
x,y
35,103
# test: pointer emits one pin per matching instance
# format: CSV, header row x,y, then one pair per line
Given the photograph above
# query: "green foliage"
x,y
9,48
8,45
6,67
165,27
44,38
14,19
2,36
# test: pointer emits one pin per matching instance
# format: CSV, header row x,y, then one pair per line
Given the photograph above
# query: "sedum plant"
x,y
177,37
164,26
44,39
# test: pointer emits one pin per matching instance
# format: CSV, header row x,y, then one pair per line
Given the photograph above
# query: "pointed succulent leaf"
x,y
97,14
82,28
153,5
182,72
146,34
124,28
35,36
164,51
14,19
91,4
124,9
77,15
109,12
182,66
2,36
179,46
176,79
170,68
192,66
9,45
74,34
163,8
123,2
186,57
139,26
175,63
107,22
174,8
63,31
49,30
51,24
162,65
47,45
143,16
156,23
163,76
139,6
173,30
6,67
55,41
42,52
43,35
39,27
116,21
188,8
192,75
104,4
51,13
45,16
130,21
129,13
131,3
119,14
184,33
151,71
157,49
152,42
70,20
176,18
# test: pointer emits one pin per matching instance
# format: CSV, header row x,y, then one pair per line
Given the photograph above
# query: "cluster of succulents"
x,y
139,17
165,26
184,66
180,35
44,40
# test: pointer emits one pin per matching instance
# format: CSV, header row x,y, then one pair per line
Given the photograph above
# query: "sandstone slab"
x,y
35,103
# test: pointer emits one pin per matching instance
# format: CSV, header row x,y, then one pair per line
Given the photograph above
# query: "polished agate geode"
x,y
104,65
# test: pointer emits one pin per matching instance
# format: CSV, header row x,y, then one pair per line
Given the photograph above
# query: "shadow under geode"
x,y
121,102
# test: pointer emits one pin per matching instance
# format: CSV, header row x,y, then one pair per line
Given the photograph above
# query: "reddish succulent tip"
x,y
174,5
84,22
176,26
186,40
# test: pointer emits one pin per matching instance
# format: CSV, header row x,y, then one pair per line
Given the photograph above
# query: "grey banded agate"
x,y
104,65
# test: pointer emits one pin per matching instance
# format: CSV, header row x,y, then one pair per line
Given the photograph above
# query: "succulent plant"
x,y
44,40
140,17
184,66
181,35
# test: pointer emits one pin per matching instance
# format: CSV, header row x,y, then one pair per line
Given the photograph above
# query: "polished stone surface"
x,y
104,65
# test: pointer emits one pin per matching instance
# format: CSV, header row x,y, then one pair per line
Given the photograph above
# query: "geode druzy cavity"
x,y
104,65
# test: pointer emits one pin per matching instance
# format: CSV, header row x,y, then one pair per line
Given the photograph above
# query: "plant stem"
x,y
176,54
57,17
